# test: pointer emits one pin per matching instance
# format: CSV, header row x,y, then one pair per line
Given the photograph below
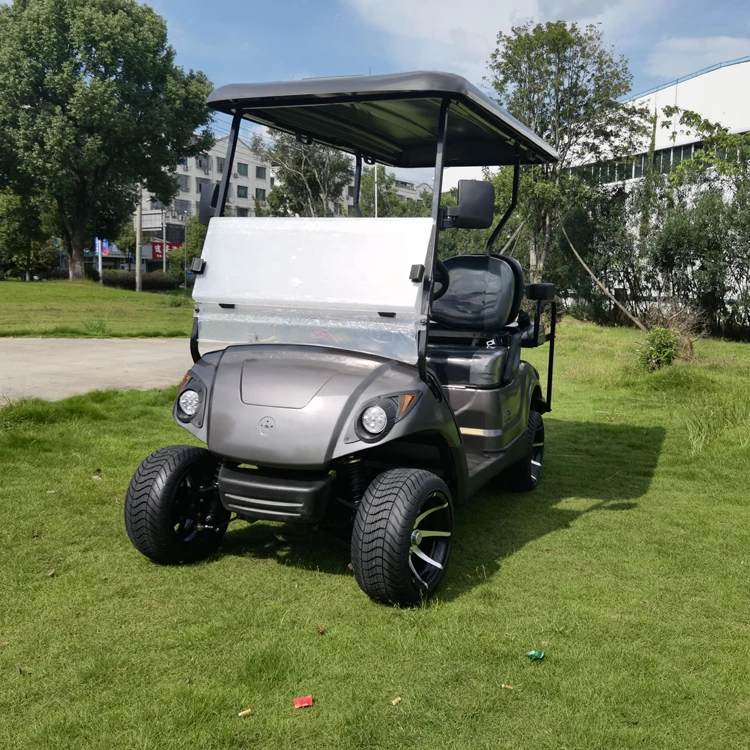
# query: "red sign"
x,y
157,248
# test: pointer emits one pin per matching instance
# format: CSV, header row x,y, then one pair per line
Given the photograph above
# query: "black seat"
x,y
484,296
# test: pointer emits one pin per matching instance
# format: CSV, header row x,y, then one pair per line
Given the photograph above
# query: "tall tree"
x,y
310,178
26,244
566,85
92,103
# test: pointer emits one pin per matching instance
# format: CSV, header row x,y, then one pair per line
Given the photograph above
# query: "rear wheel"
x,y
524,475
173,512
402,536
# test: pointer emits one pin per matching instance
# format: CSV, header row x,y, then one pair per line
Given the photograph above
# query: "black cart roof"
x,y
392,119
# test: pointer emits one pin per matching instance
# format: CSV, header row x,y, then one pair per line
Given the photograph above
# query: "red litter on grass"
x,y
305,702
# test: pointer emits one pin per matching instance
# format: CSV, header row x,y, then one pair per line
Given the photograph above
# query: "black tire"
x,y
173,512
396,505
524,475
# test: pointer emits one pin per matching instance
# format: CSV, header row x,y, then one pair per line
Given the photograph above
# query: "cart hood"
x,y
296,406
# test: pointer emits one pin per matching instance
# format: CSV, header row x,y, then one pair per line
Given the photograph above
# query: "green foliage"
x,y
310,179
92,103
26,243
154,281
179,257
389,201
564,83
660,349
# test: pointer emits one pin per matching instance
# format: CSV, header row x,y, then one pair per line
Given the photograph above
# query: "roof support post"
x,y
357,183
513,202
432,255
234,134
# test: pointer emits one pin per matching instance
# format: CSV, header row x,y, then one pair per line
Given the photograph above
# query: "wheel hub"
x,y
416,536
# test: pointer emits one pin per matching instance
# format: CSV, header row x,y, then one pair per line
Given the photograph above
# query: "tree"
x,y
26,243
563,83
310,178
91,104
195,236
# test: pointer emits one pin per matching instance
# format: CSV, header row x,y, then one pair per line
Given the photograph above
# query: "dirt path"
x,y
58,368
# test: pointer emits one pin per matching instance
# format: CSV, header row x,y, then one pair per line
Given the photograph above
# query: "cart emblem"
x,y
266,426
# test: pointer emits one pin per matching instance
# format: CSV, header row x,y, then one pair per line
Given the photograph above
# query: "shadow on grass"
x,y
606,466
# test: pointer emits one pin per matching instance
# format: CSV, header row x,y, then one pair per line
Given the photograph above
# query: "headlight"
x,y
374,419
190,402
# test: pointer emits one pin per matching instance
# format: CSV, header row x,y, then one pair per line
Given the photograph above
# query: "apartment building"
x,y
251,180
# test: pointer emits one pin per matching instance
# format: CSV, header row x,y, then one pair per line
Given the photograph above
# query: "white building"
x,y
716,93
251,180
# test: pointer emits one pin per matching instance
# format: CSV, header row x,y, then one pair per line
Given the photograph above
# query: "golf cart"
x,y
343,373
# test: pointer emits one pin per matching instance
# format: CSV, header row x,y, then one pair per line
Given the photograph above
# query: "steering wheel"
x,y
443,278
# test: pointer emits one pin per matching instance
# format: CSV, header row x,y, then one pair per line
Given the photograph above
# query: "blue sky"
x,y
267,40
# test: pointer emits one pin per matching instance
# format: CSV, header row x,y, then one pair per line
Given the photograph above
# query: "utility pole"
x,y
375,167
164,240
138,254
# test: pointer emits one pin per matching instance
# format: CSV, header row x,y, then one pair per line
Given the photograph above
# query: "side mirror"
x,y
208,202
476,206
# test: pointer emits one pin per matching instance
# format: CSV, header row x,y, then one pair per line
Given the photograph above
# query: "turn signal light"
x,y
405,402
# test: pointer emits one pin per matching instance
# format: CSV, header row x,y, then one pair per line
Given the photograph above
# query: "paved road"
x,y
58,368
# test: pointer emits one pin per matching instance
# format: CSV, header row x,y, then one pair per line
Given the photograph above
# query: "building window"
x,y
350,192
242,169
181,207
242,211
273,181
203,161
183,180
220,164
638,167
242,191
200,182
156,205
260,173
183,162
260,195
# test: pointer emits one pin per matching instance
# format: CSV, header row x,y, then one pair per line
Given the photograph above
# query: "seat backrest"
x,y
518,274
484,294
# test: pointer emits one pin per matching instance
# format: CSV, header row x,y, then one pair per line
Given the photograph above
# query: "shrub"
x,y
158,281
155,281
91,273
660,350
119,279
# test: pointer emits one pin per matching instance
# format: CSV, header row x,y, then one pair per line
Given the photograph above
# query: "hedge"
x,y
155,281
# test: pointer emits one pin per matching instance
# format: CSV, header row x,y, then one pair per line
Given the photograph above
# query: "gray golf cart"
x,y
343,373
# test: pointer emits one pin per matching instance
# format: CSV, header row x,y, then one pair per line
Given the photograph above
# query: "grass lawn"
x,y
84,308
629,566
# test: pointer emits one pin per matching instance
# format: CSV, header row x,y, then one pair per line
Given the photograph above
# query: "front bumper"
x,y
288,496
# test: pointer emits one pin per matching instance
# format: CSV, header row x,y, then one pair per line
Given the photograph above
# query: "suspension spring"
x,y
353,480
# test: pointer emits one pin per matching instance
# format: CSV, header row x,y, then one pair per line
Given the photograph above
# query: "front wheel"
x,y
402,536
173,512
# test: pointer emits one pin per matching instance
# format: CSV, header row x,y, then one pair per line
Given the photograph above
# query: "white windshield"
x,y
341,283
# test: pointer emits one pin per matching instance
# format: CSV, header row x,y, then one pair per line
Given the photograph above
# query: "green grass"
x,y
629,566
84,308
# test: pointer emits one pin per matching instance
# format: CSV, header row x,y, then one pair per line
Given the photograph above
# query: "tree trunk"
x,y
75,251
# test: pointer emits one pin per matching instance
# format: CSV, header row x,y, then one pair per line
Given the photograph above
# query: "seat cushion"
x,y
467,365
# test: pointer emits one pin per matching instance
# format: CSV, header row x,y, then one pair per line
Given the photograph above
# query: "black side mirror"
x,y
476,206
208,202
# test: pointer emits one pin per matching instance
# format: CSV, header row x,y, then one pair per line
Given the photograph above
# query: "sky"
x,y
244,41
236,40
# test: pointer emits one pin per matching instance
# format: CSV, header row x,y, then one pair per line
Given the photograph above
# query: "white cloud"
x,y
459,36
674,58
